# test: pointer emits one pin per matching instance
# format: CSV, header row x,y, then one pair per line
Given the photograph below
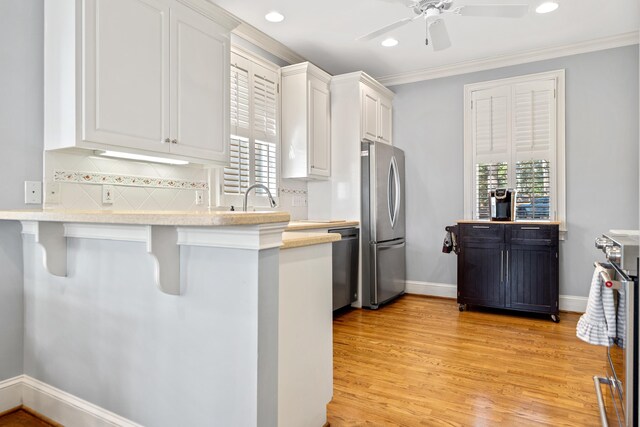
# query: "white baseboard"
x,y
446,290
443,290
573,303
59,406
10,393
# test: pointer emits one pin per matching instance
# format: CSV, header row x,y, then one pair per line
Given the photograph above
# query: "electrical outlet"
x,y
32,192
108,194
52,193
199,197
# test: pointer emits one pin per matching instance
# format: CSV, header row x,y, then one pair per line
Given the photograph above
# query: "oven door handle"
x,y
606,277
603,413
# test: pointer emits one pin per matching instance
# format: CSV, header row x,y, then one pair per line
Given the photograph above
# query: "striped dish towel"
x,y
598,325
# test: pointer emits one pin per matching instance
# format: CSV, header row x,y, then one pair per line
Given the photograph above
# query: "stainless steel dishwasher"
x,y
345,267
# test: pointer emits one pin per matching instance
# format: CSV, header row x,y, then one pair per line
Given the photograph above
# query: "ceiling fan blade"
x,y
385,30
438,35
495,10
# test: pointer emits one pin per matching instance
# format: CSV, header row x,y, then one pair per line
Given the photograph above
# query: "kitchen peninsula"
x,y
165,318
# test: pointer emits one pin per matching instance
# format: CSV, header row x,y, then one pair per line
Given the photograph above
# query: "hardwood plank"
x,y
419,361
22,418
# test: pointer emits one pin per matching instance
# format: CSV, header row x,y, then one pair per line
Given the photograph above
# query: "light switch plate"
x,y
108,194
52,193
32,192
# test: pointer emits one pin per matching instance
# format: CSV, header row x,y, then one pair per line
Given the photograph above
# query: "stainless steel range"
x,y
619,404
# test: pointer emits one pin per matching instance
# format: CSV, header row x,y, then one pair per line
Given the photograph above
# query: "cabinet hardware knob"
x,y
174,141
167,140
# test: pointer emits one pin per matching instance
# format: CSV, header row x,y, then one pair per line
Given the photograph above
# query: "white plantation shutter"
x,y
534,119
236,176
529,156
264,103
514,140
254,129
240,96
491,129
491,124
534,139
265,166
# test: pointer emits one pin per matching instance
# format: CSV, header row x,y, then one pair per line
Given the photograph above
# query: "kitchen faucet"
x,y
272,202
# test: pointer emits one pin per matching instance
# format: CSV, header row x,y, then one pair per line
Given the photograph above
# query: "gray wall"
x,y
601,159
21,92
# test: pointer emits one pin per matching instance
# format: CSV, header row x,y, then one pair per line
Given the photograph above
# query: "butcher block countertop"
x,y
312,225
177,218
469,221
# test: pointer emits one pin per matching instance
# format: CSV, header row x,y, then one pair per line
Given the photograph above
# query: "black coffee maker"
x,y
503,204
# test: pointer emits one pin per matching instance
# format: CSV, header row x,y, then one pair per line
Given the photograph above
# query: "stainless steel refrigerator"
x,y
383,223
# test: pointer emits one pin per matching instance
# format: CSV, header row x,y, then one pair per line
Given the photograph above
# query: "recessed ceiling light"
x,y
547,6
274,16
389,42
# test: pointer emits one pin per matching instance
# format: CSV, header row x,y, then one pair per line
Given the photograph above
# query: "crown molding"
x,y
263,41
306,67
466,67
362,77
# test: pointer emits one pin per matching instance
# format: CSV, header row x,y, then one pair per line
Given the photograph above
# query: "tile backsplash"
x,y
293,198
79,179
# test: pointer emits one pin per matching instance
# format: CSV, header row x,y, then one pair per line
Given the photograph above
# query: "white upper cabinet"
x,y
126,94
141,76
199,86
306,122
376,115
385,120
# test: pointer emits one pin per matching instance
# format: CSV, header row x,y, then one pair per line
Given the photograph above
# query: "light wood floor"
x,y
419,361
22,418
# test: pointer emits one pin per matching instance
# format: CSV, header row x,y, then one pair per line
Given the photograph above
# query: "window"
x,y
254,130
514,138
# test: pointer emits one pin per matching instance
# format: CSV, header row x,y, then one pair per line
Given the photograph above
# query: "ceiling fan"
x,y
433,10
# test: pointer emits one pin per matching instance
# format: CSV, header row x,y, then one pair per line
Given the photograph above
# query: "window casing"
x,y
514,137
254,130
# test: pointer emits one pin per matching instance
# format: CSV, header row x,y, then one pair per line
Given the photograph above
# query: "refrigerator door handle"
x,y
394,246
393,191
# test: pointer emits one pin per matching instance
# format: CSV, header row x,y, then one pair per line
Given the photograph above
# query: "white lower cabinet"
x,y
306,122
141,76
305,336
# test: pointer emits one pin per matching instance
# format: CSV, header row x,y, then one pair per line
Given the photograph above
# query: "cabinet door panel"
x,y
319,129
481,274
369,114
199,85
127,67
533,283
386,113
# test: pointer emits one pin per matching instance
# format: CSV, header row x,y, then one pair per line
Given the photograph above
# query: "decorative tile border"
x,y
292,191
126,180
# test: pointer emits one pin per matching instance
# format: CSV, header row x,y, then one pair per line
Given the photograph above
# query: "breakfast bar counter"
x,y
204,308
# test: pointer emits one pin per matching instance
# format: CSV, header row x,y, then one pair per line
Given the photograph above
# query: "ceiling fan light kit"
x,y
546,6
432,11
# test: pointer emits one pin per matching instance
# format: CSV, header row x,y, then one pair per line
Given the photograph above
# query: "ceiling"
x,y
324,31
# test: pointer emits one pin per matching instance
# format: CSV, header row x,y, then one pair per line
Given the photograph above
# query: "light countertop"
x,y
177,218
299,239
311,225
